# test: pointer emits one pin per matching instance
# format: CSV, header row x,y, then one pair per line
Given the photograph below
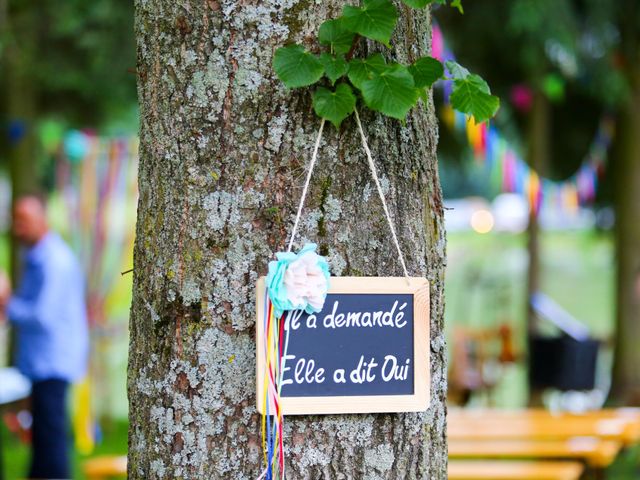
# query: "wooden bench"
x,y
101,468
597,453
618,425
513,470
540,429
625,412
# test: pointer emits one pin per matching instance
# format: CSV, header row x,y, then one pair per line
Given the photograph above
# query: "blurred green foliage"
x,y
79,56
582,41
16,454
575,51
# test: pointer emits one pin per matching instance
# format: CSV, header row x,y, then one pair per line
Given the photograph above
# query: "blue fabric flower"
x,y
298,281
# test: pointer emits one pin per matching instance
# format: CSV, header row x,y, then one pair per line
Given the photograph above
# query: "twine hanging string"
x,y
372,167
305,189
374,174
277,329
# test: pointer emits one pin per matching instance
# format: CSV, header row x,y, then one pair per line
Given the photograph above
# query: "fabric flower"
x,y
298,281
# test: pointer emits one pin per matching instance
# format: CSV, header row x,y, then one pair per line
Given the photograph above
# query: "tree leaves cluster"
x,y
390,88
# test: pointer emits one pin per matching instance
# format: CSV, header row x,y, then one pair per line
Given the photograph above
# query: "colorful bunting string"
x,y
502,160
96,188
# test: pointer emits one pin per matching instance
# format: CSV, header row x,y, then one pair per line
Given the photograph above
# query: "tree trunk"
x,y
539,137
626,374
19,27
625,386
224,147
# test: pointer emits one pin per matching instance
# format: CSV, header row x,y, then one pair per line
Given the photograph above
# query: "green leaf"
x,y
334,67
471,95
417,3
361,70
457,4
296,67
423,3
376,19
391,92
334,34
334,106
456,70
426,71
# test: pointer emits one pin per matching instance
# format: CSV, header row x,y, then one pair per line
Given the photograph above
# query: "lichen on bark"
x,y
224,149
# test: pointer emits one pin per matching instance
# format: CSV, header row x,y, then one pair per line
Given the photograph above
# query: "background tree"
x,y
71,61
224,147
626,375
593,47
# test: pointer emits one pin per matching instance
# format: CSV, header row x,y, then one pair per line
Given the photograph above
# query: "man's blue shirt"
x,y
49,313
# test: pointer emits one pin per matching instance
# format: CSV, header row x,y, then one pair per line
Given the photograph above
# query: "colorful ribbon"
x,y
276,335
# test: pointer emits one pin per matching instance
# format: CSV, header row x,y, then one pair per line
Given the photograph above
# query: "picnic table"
x,y
512,470
621,426
106,467
597,453
13,386
484,443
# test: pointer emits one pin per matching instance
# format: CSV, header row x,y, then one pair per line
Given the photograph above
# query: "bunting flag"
x,y
93,204
96,183
82,417
490,148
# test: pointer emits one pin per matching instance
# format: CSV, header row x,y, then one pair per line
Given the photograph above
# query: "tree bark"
x,y
224,147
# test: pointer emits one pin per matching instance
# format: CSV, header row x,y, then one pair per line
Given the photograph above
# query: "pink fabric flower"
x,y
306,282
298,281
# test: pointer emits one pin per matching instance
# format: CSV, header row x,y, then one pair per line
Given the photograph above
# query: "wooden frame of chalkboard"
x,y
418,400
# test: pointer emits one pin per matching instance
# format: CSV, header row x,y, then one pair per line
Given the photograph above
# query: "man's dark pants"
x,y
50,447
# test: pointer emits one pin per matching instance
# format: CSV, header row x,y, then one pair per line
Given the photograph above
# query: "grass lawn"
x,y
485,286
486,278
16,454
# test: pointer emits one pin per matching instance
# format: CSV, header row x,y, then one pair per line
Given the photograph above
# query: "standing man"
x,y
48,312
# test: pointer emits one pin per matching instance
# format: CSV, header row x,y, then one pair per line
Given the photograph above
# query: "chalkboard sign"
x,y
366,351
